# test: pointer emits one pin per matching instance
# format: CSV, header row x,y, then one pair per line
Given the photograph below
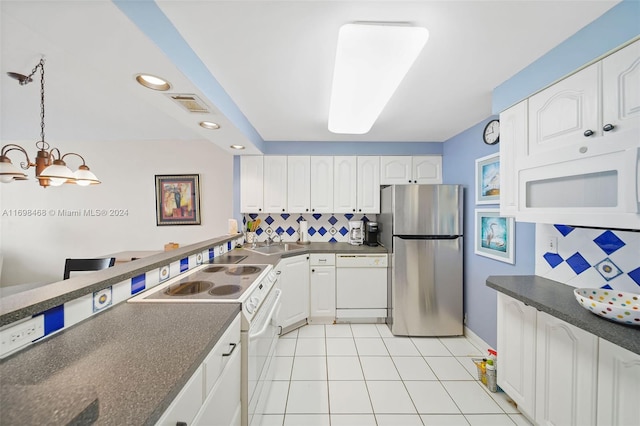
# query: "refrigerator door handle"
x,y
428,237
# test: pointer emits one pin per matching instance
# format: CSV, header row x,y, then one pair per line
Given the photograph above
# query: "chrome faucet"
x,y
271,240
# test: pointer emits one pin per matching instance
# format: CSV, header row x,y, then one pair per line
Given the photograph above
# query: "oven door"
x,y
262,339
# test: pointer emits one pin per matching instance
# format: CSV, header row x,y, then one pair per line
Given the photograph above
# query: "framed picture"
x,y
494,236
177,200
488,179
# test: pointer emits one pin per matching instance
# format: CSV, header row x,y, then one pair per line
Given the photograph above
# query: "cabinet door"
x,y
323,293
186,405
251,184
220,408
322,184
560,115
293,280
618,385
566,373
621,94
427,169
513,139
298,184
275,184
516,349
395,170
344,184
368,186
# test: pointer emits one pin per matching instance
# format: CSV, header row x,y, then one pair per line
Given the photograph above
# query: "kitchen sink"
x,y
277,248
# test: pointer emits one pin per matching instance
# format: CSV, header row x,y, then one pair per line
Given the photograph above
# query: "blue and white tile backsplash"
x,y
591,258
323,227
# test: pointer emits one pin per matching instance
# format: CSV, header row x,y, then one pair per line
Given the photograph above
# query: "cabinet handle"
x,y
588,133
306,210
313,270
181,423
354,210
608,127
233,348
283,209
359,210
259,210
409,180
278,272
313,210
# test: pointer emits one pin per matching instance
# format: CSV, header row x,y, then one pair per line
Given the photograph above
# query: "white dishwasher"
x,y
361,287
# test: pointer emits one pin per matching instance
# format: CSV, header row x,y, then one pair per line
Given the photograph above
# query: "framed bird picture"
x,y
494,235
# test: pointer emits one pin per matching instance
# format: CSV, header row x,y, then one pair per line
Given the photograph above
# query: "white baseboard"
x,y
477,341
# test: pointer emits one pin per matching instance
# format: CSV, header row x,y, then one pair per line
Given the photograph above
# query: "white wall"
x,y
34,248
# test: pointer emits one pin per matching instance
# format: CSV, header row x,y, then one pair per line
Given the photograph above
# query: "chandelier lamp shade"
x,y
51,169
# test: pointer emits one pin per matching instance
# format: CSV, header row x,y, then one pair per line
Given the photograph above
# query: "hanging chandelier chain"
x,y
41,143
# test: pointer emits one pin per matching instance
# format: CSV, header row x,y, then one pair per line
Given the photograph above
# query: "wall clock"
x,y
491,134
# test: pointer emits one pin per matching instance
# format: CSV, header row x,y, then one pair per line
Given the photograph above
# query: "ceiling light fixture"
x,y
371,61
153,82
50,166
209,125
237,146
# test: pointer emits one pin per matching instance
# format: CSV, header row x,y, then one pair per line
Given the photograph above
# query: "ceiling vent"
x,y
191,103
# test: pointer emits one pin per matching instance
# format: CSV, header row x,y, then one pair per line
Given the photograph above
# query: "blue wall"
x,y
460,153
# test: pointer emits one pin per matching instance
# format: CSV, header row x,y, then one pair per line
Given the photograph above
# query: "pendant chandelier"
x,y
51,170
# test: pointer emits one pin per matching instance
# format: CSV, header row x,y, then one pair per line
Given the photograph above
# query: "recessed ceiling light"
x,y
153,82
237,146
371,61
209,125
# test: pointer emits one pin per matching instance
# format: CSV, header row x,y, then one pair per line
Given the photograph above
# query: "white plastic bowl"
x,y
610,304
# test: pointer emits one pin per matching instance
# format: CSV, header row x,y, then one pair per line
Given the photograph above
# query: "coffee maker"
x,y
356,234
371,234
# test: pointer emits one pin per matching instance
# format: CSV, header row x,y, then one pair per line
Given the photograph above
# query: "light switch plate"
x,y
19,335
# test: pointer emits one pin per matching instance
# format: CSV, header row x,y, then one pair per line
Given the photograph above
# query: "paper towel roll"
x,y
304,235
233,226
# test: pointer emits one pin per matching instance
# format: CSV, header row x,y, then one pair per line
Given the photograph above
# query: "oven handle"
x,y
270,316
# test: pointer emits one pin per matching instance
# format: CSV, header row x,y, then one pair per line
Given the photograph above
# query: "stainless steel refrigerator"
x,y
422,224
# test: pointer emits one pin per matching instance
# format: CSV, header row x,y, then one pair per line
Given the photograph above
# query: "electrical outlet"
x,y
552,245
21,334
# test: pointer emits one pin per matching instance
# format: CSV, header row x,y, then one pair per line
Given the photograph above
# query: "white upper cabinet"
x,y
344,184
321,184
275,184
396,170
399,170
621,92
251,186
368,185
299,184
513,139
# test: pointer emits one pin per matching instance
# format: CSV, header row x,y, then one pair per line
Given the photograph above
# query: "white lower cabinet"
x,y
566,373
559,374
293,280
618,385
516,350
212,395
322,288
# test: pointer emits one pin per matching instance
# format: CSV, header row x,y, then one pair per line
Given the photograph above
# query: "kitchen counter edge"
x,y
557,299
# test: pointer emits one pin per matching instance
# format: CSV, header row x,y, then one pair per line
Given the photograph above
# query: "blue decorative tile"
x,y
333,220
312,230
635,275
269,220
137,284
53,319
343,231
269,231
607,287
259,231
291,231
607,269
322,231
564,229
164,273
365,219
280,230
211,253
348,216
285,216
228,245
300,219
333,240
578,263
333,231
316,216
253,216
553,259
609,242
184,264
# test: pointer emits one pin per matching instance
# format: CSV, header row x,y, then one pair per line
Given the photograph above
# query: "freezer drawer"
x,y
426,287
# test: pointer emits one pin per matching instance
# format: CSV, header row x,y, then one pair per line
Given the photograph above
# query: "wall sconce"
x,y
51,170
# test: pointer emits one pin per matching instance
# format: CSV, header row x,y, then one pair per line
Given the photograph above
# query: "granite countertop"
x,y
132,359
558,300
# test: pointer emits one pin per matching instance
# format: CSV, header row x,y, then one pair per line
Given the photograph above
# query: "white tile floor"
x,y
360,374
